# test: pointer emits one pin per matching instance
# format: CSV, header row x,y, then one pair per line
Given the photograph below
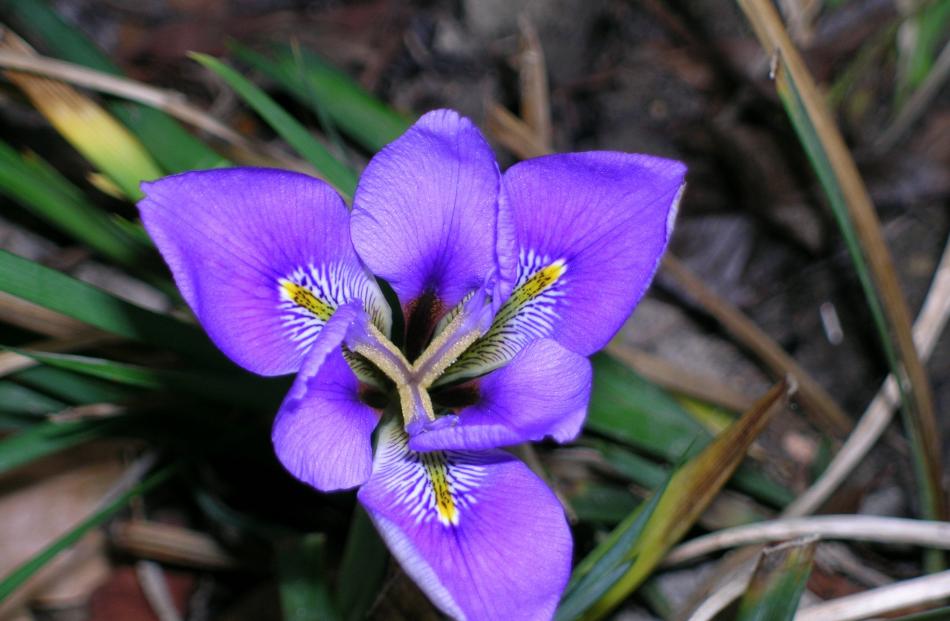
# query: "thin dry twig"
x,y
927,330
171,544
533,74
35,318
792,75
894,597
852,527
171,102
676,379
824,410
513,133
929,326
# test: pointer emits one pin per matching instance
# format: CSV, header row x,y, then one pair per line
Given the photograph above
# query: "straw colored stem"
x,y
792,78
850,527
899,596
927,330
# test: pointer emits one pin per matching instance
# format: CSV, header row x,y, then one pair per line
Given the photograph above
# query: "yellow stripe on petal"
x,y
530,312
101,139
305,299
441,488
538,283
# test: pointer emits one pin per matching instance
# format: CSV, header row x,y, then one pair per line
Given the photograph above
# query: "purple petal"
x,y
479,533
242,243
322,433
590,229
542,392
424,214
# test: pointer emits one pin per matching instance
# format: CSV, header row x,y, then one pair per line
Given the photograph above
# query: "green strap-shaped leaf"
x,y
629,409
362,568
328,91
169,143
50,289
237,389
778,582
297,136
46,193
51,437
677,507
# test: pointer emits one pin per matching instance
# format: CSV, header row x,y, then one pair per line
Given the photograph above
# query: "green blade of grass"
x,y
169,143
337,174
22,573
608,562
16,399
240,390
852,208
690,490
50,289
304,595
44,192
626,407
778,582
73,388
315,83
362,568
930,22
51,437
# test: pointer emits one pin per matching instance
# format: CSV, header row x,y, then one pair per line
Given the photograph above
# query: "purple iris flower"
x,y
506,284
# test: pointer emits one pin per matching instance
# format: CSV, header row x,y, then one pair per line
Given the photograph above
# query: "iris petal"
x,y
263,257
479,533
590,230
542,392
424,214
322,433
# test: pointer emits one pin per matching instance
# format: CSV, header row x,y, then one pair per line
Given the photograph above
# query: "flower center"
x,y
413,380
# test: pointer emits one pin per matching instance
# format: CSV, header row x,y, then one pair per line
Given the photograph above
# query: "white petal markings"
x,y
309,295
529,313
437,485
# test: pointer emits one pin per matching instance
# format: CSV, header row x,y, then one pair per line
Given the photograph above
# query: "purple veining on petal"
x,y
478,531
230,236
424,213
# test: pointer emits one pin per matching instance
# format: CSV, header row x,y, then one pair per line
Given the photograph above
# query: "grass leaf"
x,y
325,89
852,208
297,136
778,582
690,490
45,287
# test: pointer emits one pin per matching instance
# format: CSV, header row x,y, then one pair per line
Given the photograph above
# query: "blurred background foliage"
x,y
136,476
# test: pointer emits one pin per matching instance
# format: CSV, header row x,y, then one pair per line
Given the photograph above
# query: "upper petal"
x,y
424,213
542,392
323,432
590,231
479,533
262,256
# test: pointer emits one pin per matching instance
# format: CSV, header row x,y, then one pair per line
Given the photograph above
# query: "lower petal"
x,y
479,533
542,392
323,432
